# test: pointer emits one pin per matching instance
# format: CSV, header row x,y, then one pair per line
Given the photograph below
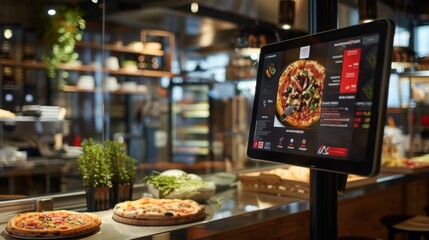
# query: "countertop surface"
x,y
228,204
231,209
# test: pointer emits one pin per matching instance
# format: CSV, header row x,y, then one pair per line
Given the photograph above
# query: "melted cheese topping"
x,y
156,207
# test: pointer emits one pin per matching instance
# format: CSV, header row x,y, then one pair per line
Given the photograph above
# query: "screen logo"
x,y
323,150
332,151
304,52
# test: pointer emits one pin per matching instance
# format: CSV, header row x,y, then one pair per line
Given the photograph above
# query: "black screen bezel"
x,y
371,164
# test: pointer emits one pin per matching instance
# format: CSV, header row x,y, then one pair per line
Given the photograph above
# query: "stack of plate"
x,y
41,111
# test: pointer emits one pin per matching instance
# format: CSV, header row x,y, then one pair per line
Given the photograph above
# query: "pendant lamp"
x,y
367,10
286,14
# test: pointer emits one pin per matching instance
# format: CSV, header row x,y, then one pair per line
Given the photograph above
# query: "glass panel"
x,y
116,84
165,82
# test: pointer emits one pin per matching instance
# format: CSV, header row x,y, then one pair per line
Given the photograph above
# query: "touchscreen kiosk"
x,y
320,99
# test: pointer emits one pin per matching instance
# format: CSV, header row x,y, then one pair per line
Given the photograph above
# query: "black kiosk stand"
x,y
320,103
324,185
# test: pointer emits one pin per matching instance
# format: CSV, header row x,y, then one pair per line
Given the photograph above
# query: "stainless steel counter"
x,y
233,209
231,205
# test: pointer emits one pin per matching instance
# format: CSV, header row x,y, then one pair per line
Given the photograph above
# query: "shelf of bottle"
x,y
88,68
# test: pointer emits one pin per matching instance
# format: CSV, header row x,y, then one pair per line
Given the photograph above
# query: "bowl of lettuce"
x,y
177,184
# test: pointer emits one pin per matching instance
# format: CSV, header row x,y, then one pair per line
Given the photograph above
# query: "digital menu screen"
x,y
320,97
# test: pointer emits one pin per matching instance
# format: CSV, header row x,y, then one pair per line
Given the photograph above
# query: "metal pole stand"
x,y
323,185
324,188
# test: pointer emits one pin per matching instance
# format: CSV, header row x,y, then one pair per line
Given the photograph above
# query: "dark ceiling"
x,y
415,9
241,12
224,18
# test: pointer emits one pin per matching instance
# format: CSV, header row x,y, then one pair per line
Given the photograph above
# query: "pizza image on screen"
x,y
300,93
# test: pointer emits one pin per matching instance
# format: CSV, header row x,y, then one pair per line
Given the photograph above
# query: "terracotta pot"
x,y
97,199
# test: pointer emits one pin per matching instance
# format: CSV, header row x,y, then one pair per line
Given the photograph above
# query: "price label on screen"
x,y
350,71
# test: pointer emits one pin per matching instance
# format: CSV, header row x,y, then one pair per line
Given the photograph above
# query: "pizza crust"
x,y
158,222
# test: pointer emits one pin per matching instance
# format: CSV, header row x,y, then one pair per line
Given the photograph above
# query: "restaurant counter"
x,y
234,214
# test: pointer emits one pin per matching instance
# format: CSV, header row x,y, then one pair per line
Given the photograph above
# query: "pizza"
x,y
154,211
52,224
300,92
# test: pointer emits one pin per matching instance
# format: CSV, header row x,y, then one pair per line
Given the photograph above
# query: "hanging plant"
x,y
62,32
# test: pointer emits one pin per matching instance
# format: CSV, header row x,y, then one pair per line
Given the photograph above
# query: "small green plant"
x,y
62,32
94,165
123,166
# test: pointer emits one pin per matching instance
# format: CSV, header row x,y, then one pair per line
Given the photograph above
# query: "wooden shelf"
x,y
30,119
146,73
25,63
123,49
87,68
68,88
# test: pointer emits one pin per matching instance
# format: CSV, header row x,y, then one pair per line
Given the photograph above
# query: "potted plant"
x,y
62,32
123,169
94,167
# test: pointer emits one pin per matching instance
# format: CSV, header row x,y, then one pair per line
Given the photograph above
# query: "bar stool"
x,y
391,220
416,227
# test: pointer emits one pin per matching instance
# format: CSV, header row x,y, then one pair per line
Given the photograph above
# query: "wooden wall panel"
x,y
361,216
417,193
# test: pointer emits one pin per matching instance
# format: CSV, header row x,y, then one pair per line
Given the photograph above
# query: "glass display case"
x,y
190,122
414,102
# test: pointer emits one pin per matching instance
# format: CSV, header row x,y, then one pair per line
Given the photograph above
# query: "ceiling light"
x,y
286,14
7,33
286,26
367,10
51,12
194,7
